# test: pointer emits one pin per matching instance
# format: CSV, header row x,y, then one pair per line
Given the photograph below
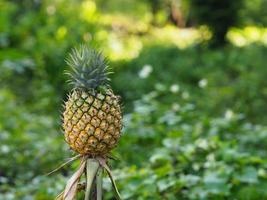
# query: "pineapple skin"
x,y
92,121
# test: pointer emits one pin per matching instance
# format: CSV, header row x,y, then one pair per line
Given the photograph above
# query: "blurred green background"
x,y
192,77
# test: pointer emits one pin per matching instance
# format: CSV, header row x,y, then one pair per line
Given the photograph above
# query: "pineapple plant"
x,y
92,117
92,120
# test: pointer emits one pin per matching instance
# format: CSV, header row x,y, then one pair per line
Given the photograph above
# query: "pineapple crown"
x,y
89,69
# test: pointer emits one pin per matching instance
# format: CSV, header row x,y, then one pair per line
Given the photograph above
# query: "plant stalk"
x,y
92,166
99,183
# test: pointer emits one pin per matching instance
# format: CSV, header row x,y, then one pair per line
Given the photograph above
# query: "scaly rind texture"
x,y
92,121
89,68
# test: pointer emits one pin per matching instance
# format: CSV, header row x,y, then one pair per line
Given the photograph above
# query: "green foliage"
x,y
193,116
254,12
232,77
194,156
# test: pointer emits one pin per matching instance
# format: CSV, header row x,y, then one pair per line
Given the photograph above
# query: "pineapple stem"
x,y
99,183
92,166
106,167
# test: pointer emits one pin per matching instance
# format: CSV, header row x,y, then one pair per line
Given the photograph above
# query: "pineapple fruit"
x,y
92,119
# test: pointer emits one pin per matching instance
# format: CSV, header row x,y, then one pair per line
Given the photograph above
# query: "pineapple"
x,y
92,119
